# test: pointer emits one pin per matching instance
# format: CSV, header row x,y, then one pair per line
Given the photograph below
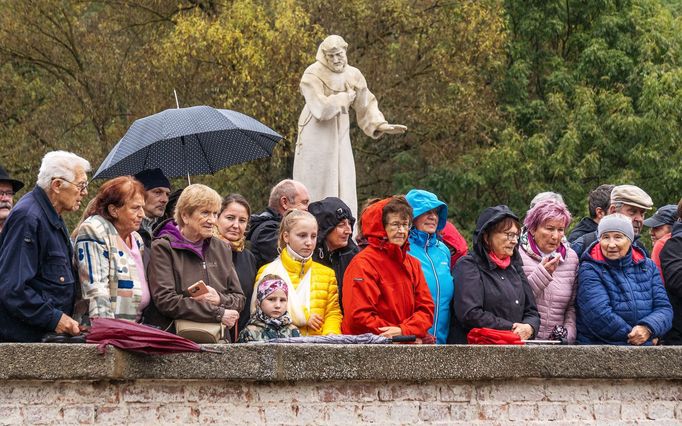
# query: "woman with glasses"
x,y
426,245
385,292
551,267
109,251
491,290
312,291
185,252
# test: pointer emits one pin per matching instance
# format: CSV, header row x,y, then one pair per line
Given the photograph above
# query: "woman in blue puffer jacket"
x,y
621,299
430,215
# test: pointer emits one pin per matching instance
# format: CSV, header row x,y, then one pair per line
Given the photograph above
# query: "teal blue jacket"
x,y
434,257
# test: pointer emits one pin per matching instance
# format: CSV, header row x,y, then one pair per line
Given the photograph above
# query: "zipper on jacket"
x,y
208,282
436,312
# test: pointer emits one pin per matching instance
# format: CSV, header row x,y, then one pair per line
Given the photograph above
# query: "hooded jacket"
x,y
384,285
175,265
554,293
616,295
487,296
263,233
434,257
328,213
671,265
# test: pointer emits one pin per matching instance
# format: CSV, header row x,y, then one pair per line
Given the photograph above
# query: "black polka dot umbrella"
x,y
189,141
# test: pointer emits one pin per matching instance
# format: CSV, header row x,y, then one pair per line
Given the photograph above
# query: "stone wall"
x,y
268,384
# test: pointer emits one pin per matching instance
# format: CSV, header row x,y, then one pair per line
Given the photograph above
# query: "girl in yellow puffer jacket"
x,y
313,296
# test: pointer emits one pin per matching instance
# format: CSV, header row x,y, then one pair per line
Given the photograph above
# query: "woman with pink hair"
x,y
551,267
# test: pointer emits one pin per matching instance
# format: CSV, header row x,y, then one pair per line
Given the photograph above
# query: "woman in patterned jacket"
x,y
109,251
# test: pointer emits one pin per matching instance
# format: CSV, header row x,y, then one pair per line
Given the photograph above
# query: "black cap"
x,y
153,178
666,215
4,177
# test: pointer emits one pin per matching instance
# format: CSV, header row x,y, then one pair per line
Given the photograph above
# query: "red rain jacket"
x,y
384,285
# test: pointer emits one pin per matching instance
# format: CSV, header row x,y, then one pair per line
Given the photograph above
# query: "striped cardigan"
x,y
109,275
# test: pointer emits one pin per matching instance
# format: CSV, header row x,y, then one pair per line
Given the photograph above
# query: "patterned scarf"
x,y
266,288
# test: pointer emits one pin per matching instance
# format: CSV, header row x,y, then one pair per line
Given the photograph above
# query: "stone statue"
x,y
324,158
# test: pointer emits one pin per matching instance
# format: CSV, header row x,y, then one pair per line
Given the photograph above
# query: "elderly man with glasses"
x,y
8,187
38,282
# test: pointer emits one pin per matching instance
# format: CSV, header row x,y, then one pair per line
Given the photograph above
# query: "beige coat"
x,y
323,161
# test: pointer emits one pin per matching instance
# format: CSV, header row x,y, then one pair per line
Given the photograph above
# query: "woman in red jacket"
x,y
385,291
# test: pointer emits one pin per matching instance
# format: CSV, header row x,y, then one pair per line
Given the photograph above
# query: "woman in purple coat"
x,y
551,267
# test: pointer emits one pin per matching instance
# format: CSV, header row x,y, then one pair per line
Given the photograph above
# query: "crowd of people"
x,y
192,261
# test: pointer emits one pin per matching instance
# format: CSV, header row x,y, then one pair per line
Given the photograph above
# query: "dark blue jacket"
x,y
37,278
434,257
615,295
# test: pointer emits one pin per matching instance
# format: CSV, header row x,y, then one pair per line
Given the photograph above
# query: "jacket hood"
x,y
373,229
487,218
586,225
169,229
328,213
423,201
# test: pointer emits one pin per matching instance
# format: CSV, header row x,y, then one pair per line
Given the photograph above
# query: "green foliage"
x,y
503,99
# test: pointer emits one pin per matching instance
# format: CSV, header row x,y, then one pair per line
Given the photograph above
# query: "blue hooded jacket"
x,y
434,257
615,295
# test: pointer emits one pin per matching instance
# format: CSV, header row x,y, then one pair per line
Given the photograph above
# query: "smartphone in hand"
x,y
197,289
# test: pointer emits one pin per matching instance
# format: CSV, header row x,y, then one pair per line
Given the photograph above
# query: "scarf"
x,y
502,264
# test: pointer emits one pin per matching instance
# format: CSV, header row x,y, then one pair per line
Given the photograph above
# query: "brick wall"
x,y
522,401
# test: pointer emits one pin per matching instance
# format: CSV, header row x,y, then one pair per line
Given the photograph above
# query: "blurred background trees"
x,y
503,98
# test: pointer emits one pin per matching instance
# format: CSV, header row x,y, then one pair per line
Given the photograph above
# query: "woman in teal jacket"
x,y
430,215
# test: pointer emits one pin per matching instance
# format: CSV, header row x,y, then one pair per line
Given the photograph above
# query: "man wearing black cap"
x,y
8,187
661,226
156,191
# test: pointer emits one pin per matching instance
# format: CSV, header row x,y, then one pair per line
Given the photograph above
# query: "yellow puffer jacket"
x,y
324,298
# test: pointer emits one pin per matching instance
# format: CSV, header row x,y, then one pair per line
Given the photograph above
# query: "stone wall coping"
x,y
293,362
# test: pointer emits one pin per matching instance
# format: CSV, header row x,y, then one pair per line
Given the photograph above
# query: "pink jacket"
x,y
554,294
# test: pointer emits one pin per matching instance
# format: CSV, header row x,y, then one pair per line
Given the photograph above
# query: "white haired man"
x,y
38,282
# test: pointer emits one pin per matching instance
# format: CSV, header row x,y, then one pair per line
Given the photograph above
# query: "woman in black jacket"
x,y
335,247
491,290
232,222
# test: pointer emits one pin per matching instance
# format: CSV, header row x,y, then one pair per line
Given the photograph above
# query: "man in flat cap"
x,y
629,200
156,191
8,187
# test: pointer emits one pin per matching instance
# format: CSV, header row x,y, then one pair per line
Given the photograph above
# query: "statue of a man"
x,y
324,159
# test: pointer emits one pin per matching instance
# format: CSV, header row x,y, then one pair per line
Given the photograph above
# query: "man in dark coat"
x,y
671,265
629,200
598,205
157,188
264,231
335,247
38,281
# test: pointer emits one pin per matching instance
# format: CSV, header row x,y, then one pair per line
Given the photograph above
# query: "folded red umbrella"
x,y
131,336
490,336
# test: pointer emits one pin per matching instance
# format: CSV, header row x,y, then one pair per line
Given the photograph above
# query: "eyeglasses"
x,y
81,186
511,236
7,194
398,225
